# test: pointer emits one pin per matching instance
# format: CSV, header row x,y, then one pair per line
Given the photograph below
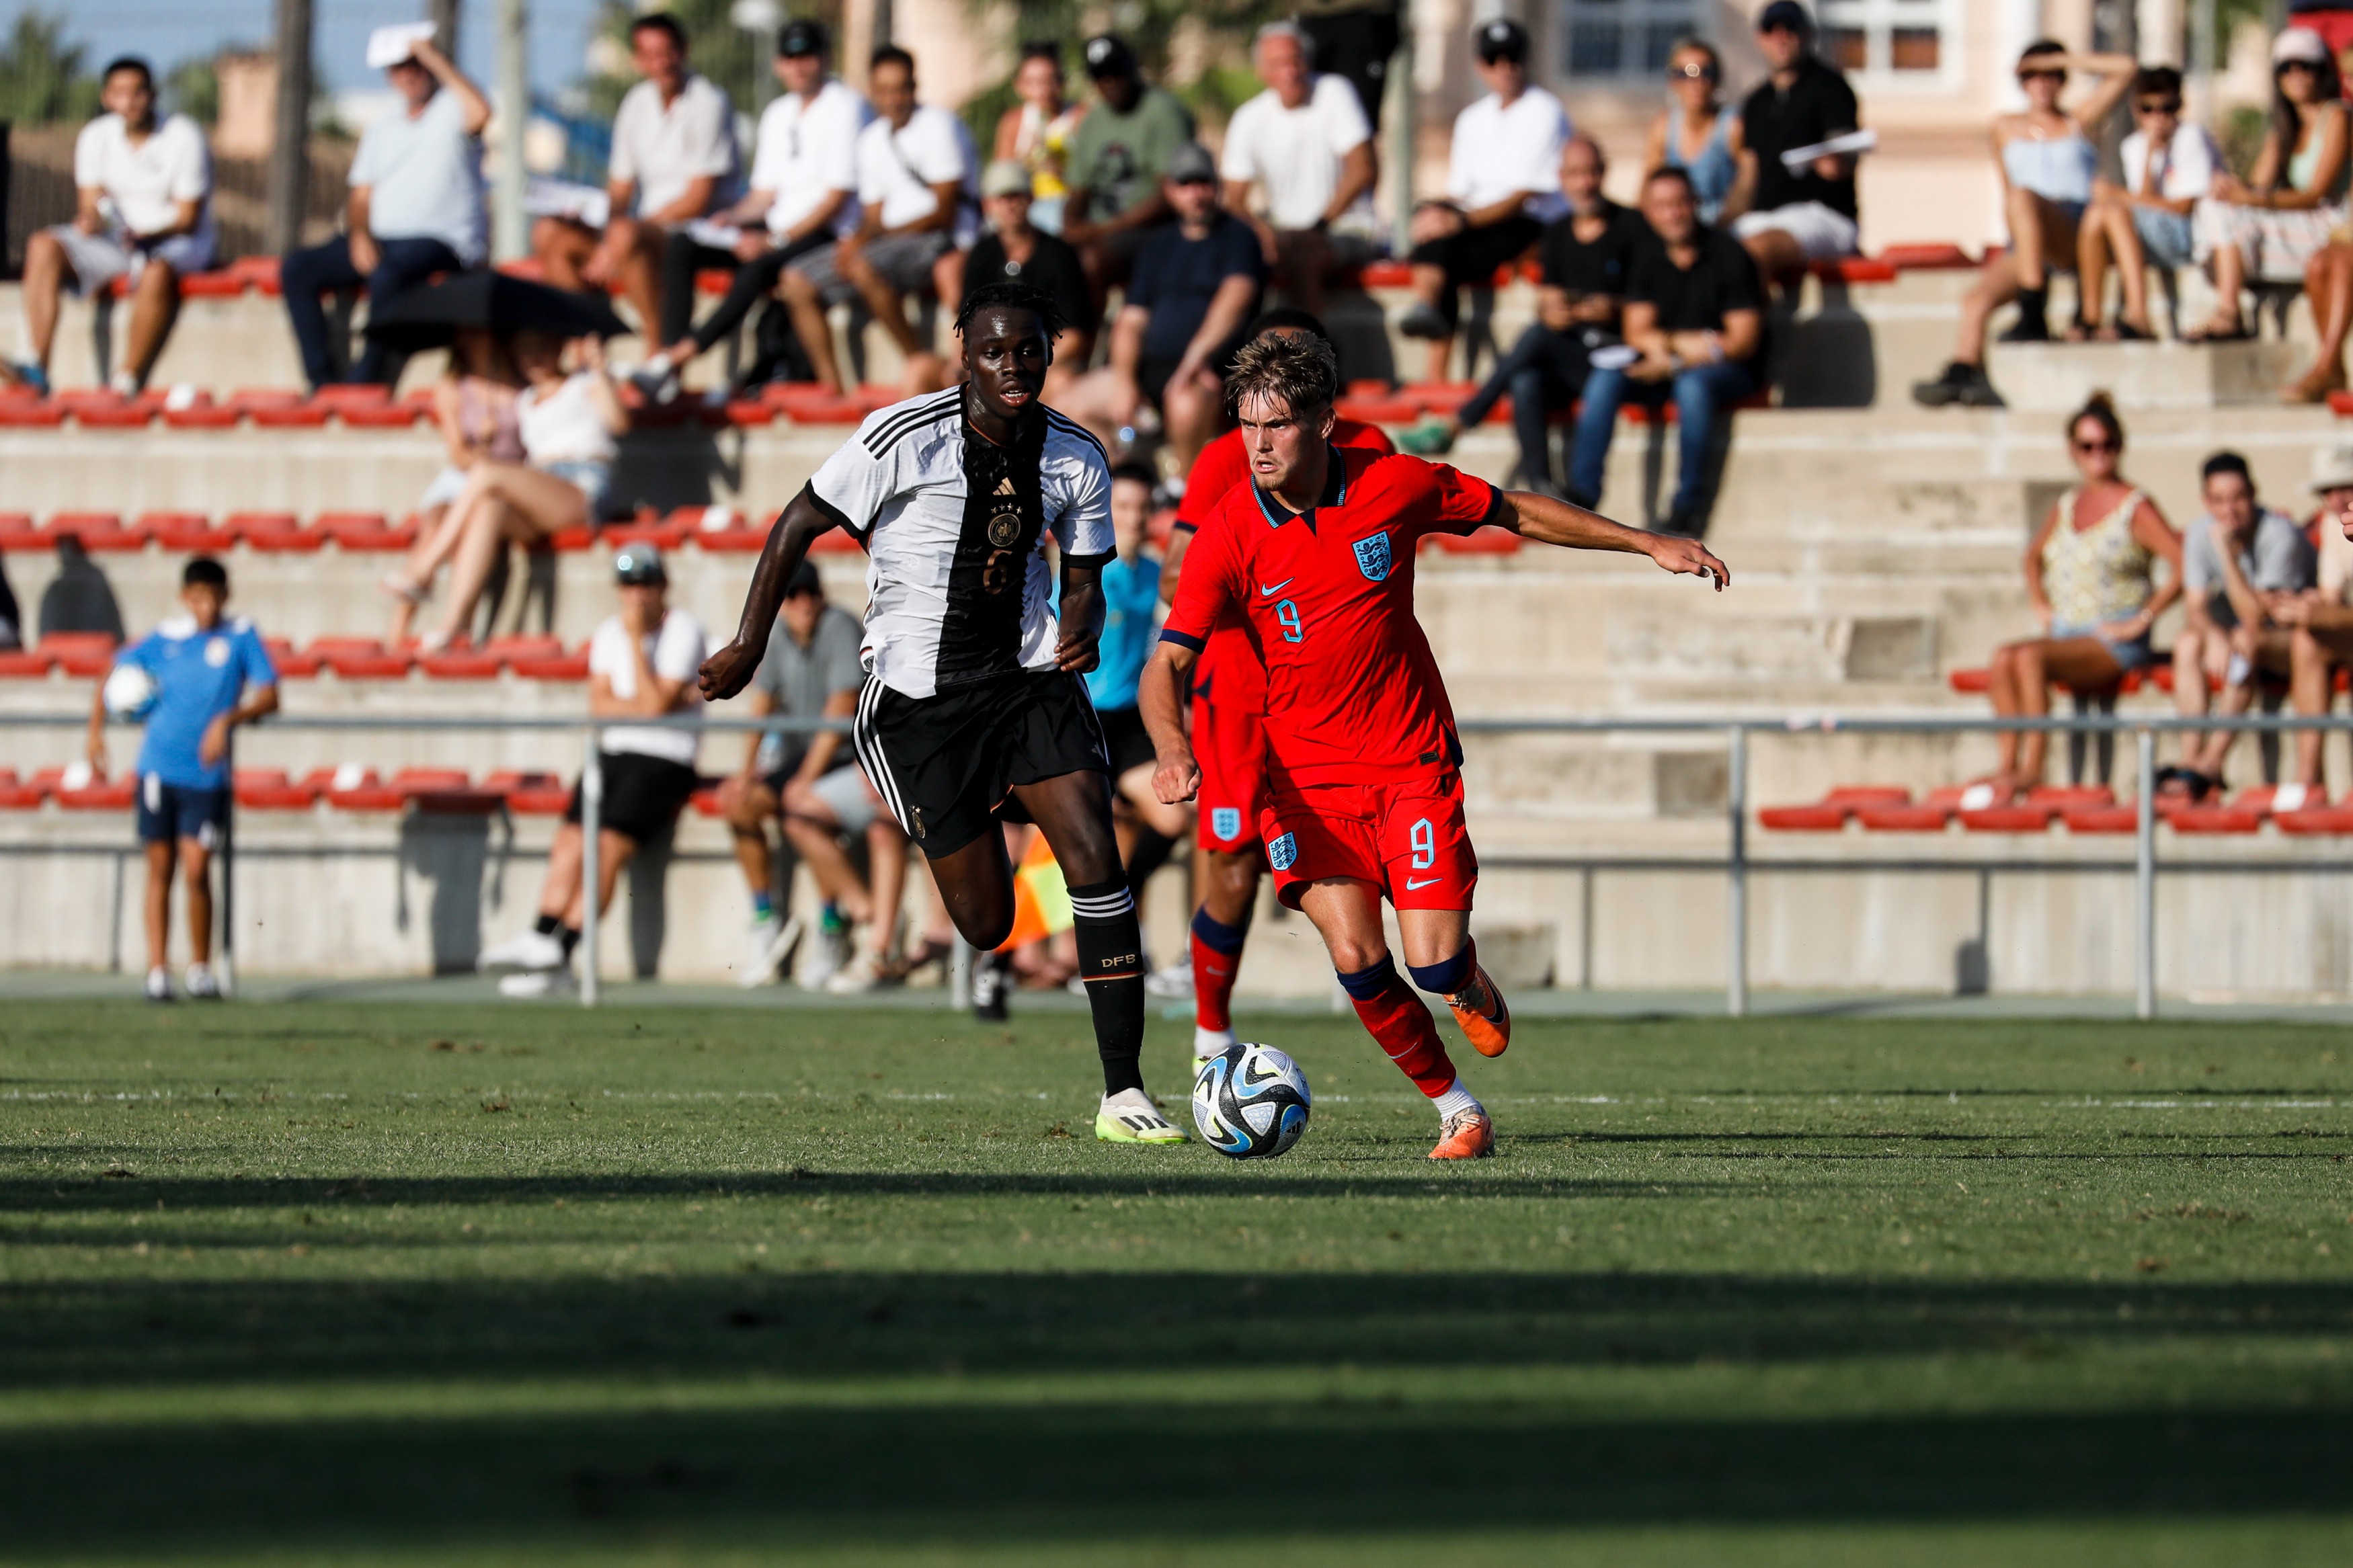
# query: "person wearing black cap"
x,y
804,195
1354,40
1790,217
1502,186
641,665
1117,155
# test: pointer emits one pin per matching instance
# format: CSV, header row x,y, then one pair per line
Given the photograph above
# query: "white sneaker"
x,y
1131,1117
1208,1045
829,953
159,985
201,987
1172,984
531,951
863,974
539,982
769,944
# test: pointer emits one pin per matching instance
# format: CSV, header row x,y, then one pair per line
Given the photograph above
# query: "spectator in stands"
x,y
143,210
2169,166
1118,155
2321,622
2272,225
1502,186
641,665
1306,142
1695,320
804,195
569,423
811,783
1354,40
1036,131
2047,158
474,407
1696,133
211,673
2238,562
1016,251
674,160
1147,828
918,189
415,208
2089,577
12,618
1196,283
1789,217
1587,257
78,597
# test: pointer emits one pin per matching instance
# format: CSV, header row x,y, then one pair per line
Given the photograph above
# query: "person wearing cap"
x,y
918,190
1354,40
143,210
804,195
1306,143
1014,250
811,785
1197,281
641,665
415,206
1118,155
2269,225
674,160
2320,622
1036,131
1790,217
1502,186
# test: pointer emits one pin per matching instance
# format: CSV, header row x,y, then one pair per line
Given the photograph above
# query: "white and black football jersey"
x,y
954,528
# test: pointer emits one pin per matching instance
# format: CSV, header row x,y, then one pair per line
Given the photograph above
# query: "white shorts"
x,y
98,260
1821,235
444,489
849,796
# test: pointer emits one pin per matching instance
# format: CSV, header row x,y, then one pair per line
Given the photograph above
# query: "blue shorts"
x,y
2166,236
167,812
2129,655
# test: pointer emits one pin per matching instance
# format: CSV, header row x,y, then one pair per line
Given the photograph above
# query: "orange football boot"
x,y
1480,1008
1465,1135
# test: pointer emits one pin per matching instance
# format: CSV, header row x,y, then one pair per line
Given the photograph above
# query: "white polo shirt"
x,y
146,183
664,148
674,652
806,151
1502,151
1295,154
896,170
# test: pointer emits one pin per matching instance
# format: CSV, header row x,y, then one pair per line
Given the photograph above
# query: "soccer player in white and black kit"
x,y
973,708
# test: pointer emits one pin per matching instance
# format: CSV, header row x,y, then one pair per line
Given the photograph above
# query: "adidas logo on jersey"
x,y
1004,486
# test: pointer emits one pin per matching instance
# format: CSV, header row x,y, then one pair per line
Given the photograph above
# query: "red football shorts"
x,y
1406,837
1231,747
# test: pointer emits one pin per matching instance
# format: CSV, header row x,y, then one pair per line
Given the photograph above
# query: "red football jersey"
x,y
1352,692
1228,671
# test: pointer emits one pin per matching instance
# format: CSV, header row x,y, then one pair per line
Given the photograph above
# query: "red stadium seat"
x,y
552,665
290,665
380,416
2316,820
225,284
2071,797
106,411
365,530
2009,819
188,531
531,794
353,395
742,411
1382,407
361,658
21,414
2212,819
1386,275
461,663
277,531
1815,818
1854,796
1856,269
259,272
1971,680
663,533
203,414
705,801
1926,257
97,531
24,664
268,789
288,415
246,399
2102,818
98,794
350,788
19,794
1907,818
80,653
17,532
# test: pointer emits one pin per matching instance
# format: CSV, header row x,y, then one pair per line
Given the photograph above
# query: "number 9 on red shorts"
x,y
1406,837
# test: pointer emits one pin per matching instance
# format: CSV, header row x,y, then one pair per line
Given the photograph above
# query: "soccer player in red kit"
x,y
1227,729
1364,786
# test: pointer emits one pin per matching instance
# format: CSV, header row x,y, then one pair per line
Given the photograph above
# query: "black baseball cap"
x,y
1108,55
1503,39
1784,17
804,580
640,565
802,36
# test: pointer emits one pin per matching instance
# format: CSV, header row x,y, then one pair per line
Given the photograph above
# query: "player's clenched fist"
x,y
1689,557
728,671
1176,779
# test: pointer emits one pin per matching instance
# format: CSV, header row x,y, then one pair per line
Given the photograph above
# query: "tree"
x,y
192,88
43,78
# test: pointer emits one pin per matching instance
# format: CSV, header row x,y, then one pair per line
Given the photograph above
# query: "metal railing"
x,y
1737,863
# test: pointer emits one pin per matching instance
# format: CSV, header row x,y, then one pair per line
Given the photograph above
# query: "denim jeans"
x,y
1545,371
304,275
1702,393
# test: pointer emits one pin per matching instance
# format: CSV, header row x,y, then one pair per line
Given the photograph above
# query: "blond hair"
x,y
1297,369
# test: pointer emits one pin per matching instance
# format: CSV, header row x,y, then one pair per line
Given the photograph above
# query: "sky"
x,y
169,31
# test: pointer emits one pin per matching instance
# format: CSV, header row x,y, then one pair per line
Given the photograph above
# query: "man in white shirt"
x,y
673,161
804,196
1502,186
919,189
143,209
415,207
641,664
1306,142
2240,563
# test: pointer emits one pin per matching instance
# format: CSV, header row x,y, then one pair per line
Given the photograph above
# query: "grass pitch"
x,y
399,1283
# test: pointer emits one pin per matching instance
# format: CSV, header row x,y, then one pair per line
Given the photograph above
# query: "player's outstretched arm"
x,y
797,527
1549,521
1160,700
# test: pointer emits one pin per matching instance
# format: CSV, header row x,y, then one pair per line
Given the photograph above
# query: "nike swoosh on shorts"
x,y
1412,886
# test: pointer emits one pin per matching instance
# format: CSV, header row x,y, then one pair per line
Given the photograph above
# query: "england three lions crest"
x,y
1373,557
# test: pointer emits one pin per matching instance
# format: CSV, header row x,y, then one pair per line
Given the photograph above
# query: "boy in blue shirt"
x,y
203,667
1131,590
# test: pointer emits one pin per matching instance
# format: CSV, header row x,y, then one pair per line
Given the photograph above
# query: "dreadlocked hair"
x,y
1299,372
1012,297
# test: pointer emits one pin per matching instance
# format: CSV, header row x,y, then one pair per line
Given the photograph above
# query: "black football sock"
x,y
1111,962
548,925
1151,853
570,938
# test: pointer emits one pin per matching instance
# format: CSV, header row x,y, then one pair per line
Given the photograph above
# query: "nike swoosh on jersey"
x,y
1411,886
1267,593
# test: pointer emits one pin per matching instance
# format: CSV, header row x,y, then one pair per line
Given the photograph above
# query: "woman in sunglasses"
x,y
1695,132
2047,156
2273,225
2088,574
2169,167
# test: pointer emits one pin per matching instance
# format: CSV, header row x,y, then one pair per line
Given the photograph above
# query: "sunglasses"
x,y
1195,180
2159,106
2102,445
1691,73
2284,66
2025,77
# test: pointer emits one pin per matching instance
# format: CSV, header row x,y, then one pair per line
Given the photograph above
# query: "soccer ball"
x,y
1250,1102
130,692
